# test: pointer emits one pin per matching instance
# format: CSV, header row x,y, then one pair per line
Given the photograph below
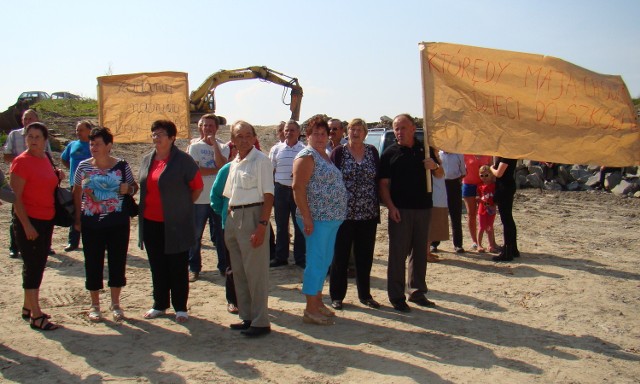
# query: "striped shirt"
x,y
282,160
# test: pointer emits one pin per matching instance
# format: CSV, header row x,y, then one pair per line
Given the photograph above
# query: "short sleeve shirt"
x,y
282,157
361,182
249,179
74,153
203,154
40,184
101,198
404,167
326,193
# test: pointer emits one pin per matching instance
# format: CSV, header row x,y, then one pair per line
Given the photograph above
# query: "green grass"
x,y
3,139
67,108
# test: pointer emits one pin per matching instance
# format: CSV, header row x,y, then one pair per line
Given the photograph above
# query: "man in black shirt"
x,y
403,189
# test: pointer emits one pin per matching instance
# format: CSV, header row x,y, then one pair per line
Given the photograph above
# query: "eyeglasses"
x,y
156,135
484,175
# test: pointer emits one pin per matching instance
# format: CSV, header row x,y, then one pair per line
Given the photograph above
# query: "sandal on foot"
x,y
433,259
42,323
153,313
117,312
94,313
481,249
26,314
326,311
309,318
182,317
495,249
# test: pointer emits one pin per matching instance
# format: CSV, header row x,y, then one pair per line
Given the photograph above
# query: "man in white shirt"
x,y
210,154
249,188
282,156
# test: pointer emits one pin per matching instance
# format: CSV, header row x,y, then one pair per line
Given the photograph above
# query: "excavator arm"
x,y
202,100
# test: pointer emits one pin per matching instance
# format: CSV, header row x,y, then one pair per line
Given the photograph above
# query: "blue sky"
x,y
352,58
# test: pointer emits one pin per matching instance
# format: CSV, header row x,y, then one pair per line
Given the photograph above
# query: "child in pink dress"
x,y
486,209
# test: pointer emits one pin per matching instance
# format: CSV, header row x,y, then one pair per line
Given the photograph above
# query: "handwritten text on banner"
x,y
519,105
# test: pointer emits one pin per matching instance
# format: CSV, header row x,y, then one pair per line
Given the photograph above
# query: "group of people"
x,y
330,188
487,186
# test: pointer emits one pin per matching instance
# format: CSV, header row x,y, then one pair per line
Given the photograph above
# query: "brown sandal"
x,y
326,311
308,318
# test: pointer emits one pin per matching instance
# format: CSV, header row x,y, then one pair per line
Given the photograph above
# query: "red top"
x,y
473,164
39,187
153,201
485,195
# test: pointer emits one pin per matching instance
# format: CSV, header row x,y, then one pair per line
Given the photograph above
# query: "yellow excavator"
x,y
202,100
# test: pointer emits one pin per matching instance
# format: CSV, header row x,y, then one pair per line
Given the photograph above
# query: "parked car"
x,y
381,138
32,97
64,95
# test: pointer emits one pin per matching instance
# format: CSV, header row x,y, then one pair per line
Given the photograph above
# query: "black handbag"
x,y
63,201
129,205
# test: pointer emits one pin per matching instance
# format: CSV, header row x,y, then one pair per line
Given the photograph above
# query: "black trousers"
x,y
361,235
505,207
34,252
113,240
454,201
169,271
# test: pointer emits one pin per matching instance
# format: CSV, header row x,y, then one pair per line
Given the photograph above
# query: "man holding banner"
x,y
403,189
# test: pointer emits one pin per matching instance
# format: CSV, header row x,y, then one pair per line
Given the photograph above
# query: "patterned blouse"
x,y
361,181
326,194
101,200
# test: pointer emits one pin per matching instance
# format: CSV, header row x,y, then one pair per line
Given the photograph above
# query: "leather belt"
x,y
234,207
284,186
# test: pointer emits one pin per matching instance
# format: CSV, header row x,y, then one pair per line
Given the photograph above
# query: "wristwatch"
x,y
263,222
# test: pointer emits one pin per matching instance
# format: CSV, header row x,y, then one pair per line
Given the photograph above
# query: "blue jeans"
x,y
204,213
285,208
320,248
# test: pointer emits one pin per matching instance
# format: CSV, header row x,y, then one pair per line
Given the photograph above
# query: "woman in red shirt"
x,y
33,179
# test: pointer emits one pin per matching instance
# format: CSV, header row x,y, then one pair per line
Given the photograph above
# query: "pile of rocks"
x,y
530,174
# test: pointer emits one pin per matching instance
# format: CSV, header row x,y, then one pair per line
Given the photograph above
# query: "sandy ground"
x,y
567,311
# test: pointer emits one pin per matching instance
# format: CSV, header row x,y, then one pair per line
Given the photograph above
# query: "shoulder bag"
x,y
63,199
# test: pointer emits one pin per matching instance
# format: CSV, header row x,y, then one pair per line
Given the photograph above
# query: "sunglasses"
x,y
484,175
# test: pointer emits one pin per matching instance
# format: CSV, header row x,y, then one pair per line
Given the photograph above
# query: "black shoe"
x,y
370,303
301,265
278,263
434,249
401,306
502,257
516,253
70,248
256,331
51,252
336,304
244,325
14,254
459,250
423,302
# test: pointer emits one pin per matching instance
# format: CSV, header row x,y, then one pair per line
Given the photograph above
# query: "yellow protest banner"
x,y
526,106
128,104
